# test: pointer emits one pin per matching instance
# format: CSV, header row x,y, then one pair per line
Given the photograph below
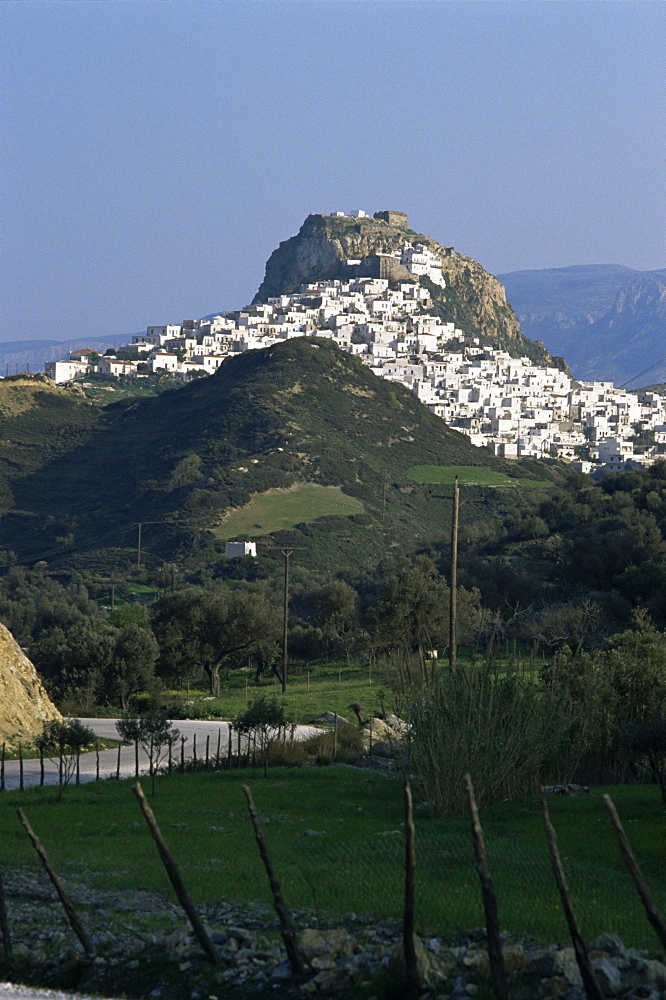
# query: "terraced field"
x,y
278,509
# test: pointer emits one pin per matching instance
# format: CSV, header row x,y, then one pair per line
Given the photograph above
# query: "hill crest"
x,y
473,299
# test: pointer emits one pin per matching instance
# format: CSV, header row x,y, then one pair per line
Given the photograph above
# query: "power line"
x,y
644,372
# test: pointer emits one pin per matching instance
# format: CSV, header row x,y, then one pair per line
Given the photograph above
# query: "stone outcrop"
x,y
474,299
24,703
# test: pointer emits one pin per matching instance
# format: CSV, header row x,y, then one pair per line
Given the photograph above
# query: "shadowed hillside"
x,y
300,412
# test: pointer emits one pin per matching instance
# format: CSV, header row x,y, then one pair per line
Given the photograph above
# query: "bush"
x,y
506,731
644,744
324,748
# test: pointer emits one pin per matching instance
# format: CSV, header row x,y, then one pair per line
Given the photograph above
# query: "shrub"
x,y
644,744
347,744
505,731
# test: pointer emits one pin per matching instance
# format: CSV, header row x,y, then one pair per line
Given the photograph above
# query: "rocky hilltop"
x,y
24,704
473,299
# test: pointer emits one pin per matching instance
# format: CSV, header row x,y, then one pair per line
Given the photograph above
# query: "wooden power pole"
x,y
285,613
453,598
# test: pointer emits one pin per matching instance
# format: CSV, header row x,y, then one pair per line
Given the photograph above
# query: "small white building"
x,y
66,371
234,550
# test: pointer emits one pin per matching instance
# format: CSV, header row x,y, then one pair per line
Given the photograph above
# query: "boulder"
x,y
328,945
24,703
431,971
328,719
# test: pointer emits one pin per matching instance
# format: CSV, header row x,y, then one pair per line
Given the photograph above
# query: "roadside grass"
x,y
336,839
278,509
472,475
322,686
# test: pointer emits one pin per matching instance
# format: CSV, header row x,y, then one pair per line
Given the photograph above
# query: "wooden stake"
x,y
136,758
207,750
286,927
20,748
592,989
651,911
2,767
217,755
489,899
68,906
182,754
4,926
175,878
41,768
118,766
409,946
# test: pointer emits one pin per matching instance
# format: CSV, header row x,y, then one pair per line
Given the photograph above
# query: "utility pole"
x,y
285,619
453,598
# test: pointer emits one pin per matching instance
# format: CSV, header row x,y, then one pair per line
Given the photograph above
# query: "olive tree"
x,y
154,734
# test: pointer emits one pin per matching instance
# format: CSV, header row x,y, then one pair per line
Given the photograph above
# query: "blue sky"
x,y
155,153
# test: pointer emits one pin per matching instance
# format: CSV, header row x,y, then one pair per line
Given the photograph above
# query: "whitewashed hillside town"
x,y
507,404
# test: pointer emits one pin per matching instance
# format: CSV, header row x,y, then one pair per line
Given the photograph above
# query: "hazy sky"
x,y
155,153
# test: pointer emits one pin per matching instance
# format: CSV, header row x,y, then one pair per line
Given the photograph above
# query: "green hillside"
x,y
193,459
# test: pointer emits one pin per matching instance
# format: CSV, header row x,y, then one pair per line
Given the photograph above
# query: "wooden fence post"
x,y
20,749
182,755
118,766
175,878
2,767
592,989
207,751
489,899
4,926
97,760
219,740
68,906
286,927
409,946
136,758
194,755
41,767
651,911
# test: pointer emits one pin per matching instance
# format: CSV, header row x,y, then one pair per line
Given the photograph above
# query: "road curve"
x,y
213,732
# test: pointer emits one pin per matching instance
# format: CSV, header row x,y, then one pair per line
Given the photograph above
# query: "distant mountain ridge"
x,y
608,321
30,355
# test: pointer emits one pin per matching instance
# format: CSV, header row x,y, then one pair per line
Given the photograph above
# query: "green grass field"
x,y
279,509
472,475
336,839
324,686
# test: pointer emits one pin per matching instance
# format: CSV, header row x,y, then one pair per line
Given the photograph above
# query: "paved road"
x,y
108,759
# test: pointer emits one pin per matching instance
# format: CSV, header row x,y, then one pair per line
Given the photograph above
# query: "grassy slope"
x,y
189,455
354,860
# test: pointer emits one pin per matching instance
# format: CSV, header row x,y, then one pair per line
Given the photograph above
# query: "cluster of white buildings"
x,y
508,404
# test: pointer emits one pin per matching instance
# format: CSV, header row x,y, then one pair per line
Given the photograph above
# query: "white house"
x,y
234,550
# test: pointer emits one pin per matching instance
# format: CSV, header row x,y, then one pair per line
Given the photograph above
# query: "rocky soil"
x,y
144,948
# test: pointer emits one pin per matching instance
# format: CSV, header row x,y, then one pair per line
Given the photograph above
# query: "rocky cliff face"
x,y
24,704
473,298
